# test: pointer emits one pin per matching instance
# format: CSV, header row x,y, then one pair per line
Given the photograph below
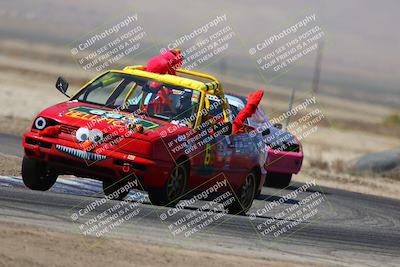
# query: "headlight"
x,y
40,123
82,134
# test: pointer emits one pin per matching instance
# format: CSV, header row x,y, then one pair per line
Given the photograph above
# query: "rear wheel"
x,y
245,196
115,190
278,180
36,175
174,188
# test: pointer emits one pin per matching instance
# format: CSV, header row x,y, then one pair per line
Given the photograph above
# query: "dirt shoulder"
x,y
10,165
24,245
14,125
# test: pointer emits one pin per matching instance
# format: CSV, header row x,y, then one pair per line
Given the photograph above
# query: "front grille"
x,y
69,129
111,139
80,153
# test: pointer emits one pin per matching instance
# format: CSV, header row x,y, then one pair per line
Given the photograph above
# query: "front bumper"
x,y
66,157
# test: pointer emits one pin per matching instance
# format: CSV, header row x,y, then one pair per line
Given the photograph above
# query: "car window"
x,y
259,117
120,98
177,105
100,91
162,101
215,107
236,104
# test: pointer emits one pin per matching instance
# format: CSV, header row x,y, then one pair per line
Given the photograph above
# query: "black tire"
x,y
245,196
174,188
112,189
36,175
257,194
278,180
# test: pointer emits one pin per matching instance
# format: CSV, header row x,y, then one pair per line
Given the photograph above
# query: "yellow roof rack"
x,y
213,87
134,67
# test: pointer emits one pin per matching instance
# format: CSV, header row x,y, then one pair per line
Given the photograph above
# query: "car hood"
x,y
78,114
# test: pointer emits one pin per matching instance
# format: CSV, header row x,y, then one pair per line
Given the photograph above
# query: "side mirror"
x,y
229,130
62,86
278,125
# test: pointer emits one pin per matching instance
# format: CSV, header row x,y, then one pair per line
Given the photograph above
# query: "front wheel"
x,y
278,180
36,175
174,188
245,196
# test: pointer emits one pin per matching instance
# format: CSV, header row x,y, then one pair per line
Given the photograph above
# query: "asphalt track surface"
x,y
340,227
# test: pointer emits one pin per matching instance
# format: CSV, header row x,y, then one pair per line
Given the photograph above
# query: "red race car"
x,y
171,134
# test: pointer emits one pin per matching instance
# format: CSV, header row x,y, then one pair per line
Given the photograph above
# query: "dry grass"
x,y
378,185
339,166
393,174
319,163
393,119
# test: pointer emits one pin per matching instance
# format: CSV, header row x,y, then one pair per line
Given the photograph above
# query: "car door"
x,y
244,151
213,158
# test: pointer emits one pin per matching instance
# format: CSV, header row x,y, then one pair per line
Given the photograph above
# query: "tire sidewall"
x,y
34,175
159,196
238,206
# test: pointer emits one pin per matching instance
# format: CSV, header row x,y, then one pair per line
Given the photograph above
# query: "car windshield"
x,y
142,96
